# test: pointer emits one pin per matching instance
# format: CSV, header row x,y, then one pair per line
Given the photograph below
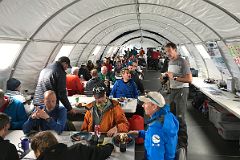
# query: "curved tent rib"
x,y
130,26
108,9
124,22
66,9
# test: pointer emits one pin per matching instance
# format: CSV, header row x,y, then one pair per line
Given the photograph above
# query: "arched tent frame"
x,y
54,26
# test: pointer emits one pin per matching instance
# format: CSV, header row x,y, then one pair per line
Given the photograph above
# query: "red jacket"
x,y
74,85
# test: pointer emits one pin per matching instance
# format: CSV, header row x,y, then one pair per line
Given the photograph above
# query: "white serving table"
x,y
223,98
128,107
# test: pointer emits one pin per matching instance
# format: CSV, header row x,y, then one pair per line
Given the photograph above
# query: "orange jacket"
x,y
74,85
114,116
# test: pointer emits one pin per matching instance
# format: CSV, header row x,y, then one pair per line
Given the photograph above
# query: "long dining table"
x,y
65,137
129,106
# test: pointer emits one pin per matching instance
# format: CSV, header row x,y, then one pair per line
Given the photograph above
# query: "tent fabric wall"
x,y
47,25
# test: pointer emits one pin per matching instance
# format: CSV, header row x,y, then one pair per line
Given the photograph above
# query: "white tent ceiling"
x,y
45,25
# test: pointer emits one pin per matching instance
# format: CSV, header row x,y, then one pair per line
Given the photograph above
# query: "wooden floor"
x,y
204,141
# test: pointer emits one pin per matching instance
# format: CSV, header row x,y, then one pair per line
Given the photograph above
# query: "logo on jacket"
x,y
156,138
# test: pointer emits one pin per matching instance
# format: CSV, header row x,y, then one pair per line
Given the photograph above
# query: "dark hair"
x,y
42,141
4,120
66,60
171,45
12,84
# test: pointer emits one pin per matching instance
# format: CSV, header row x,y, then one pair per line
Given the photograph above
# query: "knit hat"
x,y
12,84
154,97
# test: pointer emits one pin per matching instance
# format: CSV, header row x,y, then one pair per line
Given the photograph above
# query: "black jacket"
x,y
76,152
53,77
135,77
8,150
93,82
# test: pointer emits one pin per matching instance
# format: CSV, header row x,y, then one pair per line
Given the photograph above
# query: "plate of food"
x,y
123,138
81,136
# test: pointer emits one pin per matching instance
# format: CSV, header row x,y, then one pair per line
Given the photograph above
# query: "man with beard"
x,y
106,113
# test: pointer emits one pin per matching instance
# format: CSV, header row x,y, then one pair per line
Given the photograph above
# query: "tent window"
x,y
9,52
185,51
202,51
115,50
110,50
96,50
64,51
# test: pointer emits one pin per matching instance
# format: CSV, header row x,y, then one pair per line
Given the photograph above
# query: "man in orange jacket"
x,y
106,113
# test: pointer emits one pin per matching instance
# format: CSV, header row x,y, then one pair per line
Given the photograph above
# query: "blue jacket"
x,y
57,121
17,112
121,89
160,140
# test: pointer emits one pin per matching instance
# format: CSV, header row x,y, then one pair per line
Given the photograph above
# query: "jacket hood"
x,y
52,151
170,124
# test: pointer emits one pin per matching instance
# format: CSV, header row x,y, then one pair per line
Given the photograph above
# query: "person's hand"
x,y
79,105
134,133
42,114
73,111
169,75
34,115
112,131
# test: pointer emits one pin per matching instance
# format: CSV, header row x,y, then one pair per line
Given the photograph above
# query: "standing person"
x,y
50,117
160,139
53,77
179,75
8,150
46,147
155,59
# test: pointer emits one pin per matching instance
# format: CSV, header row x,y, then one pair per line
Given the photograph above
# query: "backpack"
x,y
137,123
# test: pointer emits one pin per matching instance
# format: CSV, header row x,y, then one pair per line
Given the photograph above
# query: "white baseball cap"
x,y
154,97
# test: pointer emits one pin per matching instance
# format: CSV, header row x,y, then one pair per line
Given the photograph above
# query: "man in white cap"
x,y
160,139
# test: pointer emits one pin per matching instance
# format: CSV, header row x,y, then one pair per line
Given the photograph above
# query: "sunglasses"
x,y
98,89
147,96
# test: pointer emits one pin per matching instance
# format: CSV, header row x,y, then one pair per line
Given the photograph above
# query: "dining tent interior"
x,y
34,33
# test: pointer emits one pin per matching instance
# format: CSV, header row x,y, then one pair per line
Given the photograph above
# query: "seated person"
x,y
13,90
14,109
73,82
46,147
106,75
50,117
94,81
135,76
84,73
160,139
106,113
8,150
124,87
